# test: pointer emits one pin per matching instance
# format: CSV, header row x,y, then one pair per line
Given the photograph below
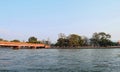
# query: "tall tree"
x,y
62,42
101,39
72,40
32,39
95,39
104,39
75,40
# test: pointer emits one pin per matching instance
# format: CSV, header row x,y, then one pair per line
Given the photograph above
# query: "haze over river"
x,y
59,60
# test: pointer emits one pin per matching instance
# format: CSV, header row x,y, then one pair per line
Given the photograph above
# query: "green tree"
x,y
75,40
95,39
15,40
101,39
72,40
104,39
62,42
32,39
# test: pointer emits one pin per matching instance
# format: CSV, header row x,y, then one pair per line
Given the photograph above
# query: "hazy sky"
x,y
20,19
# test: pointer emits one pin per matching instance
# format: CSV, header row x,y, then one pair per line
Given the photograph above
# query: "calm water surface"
x,y
60,60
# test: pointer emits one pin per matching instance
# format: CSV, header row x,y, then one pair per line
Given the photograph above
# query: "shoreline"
x,y
109,47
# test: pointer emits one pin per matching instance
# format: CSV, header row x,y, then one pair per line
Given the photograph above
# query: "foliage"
x,y
72,40
101,39
62,42
32,39
75,40
15,40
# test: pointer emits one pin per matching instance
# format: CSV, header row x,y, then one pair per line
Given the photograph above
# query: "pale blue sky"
x,y
20,19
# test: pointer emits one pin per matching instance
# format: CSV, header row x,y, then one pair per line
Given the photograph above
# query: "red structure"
x,y
18,45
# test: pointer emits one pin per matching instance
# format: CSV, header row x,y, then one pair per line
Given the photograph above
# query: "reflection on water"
x,y
60,60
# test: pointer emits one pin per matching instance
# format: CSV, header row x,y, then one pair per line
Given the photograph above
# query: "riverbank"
x,y
83,47
86,47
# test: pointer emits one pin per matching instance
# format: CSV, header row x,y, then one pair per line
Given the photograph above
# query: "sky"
x,y
21,19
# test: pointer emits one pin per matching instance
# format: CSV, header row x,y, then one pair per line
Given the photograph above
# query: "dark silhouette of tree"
x,y
75,40
32,39
101,39
15,40
95,39
72,40
62,42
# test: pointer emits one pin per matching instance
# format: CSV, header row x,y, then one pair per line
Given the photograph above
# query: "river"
x,y
59,60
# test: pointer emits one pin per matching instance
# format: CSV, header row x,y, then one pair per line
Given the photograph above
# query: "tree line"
x,y
100,39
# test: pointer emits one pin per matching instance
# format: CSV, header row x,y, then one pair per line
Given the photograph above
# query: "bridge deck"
x,y
22,44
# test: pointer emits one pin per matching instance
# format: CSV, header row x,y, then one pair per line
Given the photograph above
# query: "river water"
x,y
59,60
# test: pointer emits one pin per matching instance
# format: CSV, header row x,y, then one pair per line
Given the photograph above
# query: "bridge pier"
x,y
32,47
16,47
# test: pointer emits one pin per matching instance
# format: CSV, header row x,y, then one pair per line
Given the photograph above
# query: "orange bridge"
x,y
18,45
